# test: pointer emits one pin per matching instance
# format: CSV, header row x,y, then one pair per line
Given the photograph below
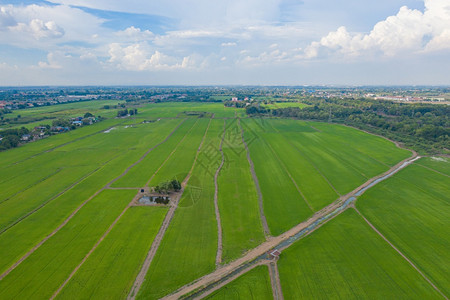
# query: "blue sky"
x,y
198,42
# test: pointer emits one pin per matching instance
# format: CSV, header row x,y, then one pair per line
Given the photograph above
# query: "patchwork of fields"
x,y
70,226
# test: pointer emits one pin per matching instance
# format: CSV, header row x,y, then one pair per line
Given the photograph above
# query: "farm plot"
x,y
142,172
254,284
44,271
173,109
69,164
109,272
346,259
343,166
179,164
412,210
284,206
18,155
238,199
189,247
438,164
18,239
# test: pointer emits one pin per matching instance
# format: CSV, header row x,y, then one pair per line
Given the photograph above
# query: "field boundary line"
x,y
221,283
257,186
311,162
20,219
433,170
171,153
10,269
139,280
399,252
216,201
65,144
31,185
145,155
289,174
275,281
113,224
332,210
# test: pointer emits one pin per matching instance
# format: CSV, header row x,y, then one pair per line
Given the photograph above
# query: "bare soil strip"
x,y
216,202
290,176
48,201
275,241
275,281
170,155
402,255
312,163
81,206
162,230
255,180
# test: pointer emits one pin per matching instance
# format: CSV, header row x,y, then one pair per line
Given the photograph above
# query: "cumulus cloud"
x,y
410,30
140,57
39,29
135,34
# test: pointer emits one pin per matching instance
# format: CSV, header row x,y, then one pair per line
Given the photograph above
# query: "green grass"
x,y
412,210
110,271
439,164
17,240
189,247
141,173
179,164
346,259
254,284
45,114
277,105
238,199
17,155
45,270
283,205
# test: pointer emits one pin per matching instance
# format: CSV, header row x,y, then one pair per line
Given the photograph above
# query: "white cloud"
x,y
409,31
38,29
135,34
229,44
140,57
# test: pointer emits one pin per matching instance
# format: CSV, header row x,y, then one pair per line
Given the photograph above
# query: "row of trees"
x,y
424,127
126,112
168,186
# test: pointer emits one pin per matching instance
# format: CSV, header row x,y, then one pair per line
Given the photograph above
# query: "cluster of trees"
x,y
238,104
10,138
423,127
162,200
125,112
168,186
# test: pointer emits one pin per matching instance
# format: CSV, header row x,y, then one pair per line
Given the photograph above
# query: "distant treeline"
x,y
423,127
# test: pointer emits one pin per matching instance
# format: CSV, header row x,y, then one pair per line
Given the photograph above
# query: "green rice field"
x,y
73,223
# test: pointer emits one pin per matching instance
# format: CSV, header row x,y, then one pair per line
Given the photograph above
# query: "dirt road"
x,y
82,205
255,180
162,230
216,201
275,241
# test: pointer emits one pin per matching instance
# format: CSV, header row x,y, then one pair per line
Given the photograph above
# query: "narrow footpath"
x,y
289,237
162,230
17,263
255,180
216,202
